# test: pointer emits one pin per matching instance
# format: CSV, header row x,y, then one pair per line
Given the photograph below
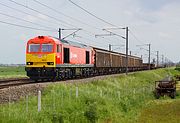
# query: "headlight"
x,y
29,63
50,63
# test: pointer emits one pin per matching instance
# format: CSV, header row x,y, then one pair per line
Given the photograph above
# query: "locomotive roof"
x,y
72,43
76,44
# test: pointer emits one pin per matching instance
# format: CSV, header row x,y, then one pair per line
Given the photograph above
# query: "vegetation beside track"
x,y
12,72
115,99
164,110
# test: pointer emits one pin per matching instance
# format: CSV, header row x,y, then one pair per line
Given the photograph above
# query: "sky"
x,y
150,21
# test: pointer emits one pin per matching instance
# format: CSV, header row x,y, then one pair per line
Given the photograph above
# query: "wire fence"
x,y
53,103
58,99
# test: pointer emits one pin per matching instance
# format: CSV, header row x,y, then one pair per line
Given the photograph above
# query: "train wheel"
x,y
63,75
70,74
53,79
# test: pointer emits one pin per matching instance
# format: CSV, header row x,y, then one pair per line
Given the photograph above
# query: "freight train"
x,y
49,58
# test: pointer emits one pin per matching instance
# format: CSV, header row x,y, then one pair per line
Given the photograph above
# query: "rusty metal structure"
x,y
166,86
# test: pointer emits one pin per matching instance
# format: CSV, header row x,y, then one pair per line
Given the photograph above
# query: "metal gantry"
x,y
149,50
110,33
73,33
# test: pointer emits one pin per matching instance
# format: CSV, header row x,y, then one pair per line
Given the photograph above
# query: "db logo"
x,y
73,55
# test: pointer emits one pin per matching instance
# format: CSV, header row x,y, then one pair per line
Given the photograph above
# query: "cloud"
x,y
43,16
36,18
164,35
30,18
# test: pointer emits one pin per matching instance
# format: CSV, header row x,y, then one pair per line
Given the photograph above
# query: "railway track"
x,y
12,79
6,83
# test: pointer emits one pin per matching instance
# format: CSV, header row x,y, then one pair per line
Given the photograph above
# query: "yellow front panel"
x,y
41,60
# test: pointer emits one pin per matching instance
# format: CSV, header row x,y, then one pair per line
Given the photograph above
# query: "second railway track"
x,y
6,83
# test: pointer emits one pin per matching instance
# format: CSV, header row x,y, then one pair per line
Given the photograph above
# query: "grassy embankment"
x,y
165,110
161,111
115,99
12,72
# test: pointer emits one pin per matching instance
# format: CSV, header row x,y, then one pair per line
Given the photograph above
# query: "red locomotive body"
x,y
48,57
76,54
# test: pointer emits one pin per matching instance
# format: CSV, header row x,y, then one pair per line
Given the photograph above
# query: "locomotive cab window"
x,y
34,48
47,47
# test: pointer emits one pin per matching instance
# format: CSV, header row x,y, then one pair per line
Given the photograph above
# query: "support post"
x,y
27,103
110,47
77,92
157,58
126,50
39,101
60,33
163,60
149,56
130,52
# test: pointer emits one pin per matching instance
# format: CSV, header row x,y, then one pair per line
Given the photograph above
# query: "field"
x,y
164,110
115,99
12,72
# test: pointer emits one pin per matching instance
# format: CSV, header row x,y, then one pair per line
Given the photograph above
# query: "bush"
x,y
91,113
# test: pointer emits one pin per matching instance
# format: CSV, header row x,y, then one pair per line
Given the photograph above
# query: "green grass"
x,y
177,68
161,111
113,100
12,72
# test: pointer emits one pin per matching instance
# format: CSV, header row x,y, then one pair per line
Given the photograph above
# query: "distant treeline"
x,y
11,65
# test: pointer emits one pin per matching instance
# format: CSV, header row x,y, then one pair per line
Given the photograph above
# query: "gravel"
x,y
15,93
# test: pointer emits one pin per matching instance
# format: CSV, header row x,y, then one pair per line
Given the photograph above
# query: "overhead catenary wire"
x,y
27,21
49,28
20,11
69,25
61,13
46,15
28,27
92,14
86,40
135,37
86,31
